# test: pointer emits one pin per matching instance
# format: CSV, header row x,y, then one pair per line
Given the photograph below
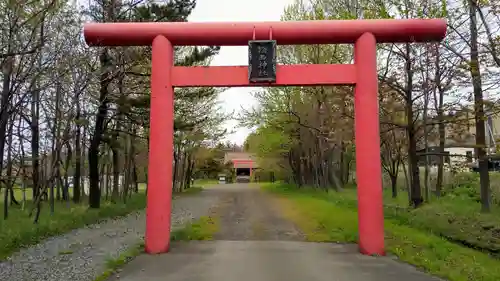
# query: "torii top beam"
x,y
285,32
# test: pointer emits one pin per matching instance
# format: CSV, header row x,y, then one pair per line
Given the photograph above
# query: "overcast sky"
x,y
237,10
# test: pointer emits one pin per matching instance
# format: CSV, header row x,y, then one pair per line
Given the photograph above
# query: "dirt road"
x,y
245,214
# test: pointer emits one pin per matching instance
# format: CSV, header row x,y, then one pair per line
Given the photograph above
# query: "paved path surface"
x,y
256,243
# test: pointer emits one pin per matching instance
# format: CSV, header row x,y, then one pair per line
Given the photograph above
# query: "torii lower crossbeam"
x,y
286,75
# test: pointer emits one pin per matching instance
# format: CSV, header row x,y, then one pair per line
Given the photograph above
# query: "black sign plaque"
x,y
262,61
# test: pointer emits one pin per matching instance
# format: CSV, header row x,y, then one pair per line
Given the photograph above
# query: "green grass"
x,y
455,216
202,229
332,217
205,182
112,265
18,192
192,190
18,230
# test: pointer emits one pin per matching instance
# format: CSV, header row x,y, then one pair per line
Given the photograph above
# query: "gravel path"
x,y
81,255
247,213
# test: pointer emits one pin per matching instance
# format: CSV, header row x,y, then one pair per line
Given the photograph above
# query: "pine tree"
x,y
116,11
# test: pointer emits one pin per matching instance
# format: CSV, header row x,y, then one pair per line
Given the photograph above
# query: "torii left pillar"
x,y
158,219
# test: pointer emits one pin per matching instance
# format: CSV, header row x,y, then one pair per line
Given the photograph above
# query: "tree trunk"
x,y
94,190
5,110
115,193
416,192
394,185
67,163
479,110
9,181
35,143
78,153
441,125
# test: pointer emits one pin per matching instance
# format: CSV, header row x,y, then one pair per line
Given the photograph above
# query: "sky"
x,y
237,10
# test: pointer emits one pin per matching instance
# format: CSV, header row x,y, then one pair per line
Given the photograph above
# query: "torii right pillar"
x,y
367,141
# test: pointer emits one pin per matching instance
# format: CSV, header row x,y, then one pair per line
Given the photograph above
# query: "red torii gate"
x,y
249,162
365,34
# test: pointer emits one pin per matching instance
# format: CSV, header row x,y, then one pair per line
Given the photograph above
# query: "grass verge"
x,y
202,229
19,231
330,217
205,182
112,265
189,191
